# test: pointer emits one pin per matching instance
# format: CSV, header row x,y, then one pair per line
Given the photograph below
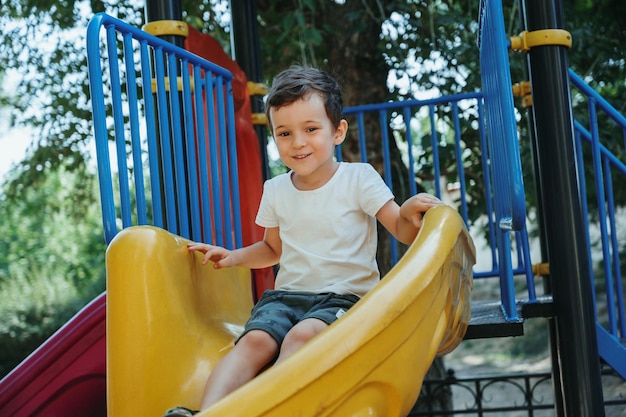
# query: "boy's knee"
x,y
259,342
304,331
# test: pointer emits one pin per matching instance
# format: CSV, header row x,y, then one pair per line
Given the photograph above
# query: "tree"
x,y
51,265
429,43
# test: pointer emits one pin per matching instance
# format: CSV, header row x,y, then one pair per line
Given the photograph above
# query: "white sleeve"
x,y
374,193
266,216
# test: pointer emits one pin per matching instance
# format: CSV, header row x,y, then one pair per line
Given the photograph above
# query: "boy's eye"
x,y
283,134
311,129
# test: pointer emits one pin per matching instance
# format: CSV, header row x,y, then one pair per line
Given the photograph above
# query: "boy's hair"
x,y
297,82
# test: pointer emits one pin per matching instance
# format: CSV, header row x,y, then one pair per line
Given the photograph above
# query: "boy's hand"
x,y
413,208
220,257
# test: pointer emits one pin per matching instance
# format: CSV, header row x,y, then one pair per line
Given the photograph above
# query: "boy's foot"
x,y
180,412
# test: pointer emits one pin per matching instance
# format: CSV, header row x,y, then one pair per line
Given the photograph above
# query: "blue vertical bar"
x,y
118,120
223,157
234,167
434,136
166,153
177,136
488,190
382,114
602,214
584,206
153,150
459,159
338,154
616,284
385,145
133,116
100,129
526,263
406,114
216,207
507,288
189,115
362,143
200,92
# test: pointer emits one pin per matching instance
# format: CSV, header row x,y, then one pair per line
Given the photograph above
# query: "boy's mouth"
x,y
301,156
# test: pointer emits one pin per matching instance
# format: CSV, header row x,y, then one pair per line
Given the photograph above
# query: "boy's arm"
x,y
404,222
258,255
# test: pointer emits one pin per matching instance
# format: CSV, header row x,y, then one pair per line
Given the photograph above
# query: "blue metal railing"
x,y
174,155
608,175
438,138
503,148
493,45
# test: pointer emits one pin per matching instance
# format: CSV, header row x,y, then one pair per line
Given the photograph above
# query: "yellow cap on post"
x,y
167,27
527,40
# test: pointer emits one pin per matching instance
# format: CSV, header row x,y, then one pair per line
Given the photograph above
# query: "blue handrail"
x,y
610,322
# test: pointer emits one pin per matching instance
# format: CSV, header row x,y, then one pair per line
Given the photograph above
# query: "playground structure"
x,y
503,225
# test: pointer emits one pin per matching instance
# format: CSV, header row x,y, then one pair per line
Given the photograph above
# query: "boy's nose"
x,y
298,141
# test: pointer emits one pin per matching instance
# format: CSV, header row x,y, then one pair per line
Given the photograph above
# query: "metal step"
x,y
488,318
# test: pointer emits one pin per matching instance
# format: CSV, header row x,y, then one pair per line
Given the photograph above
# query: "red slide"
x,y
65,376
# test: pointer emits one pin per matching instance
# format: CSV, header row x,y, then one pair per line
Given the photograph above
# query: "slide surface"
x,y
65,376
170,319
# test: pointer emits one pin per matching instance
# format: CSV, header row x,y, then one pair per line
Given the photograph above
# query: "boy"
x,y
320,225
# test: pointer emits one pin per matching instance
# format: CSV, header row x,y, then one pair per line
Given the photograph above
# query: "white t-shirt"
x,y
329,234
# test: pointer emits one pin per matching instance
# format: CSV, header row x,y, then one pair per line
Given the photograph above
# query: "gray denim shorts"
x,y
278,311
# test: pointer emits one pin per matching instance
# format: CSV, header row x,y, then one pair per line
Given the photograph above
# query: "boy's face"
x,y
306,140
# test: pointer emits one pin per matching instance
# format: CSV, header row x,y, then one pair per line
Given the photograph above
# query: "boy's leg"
x,y
251,354
325,310
299,335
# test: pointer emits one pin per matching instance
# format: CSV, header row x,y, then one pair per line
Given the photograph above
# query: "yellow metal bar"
x,y
179,81
527,40
541,270
257,89
259,119
167,27
523,90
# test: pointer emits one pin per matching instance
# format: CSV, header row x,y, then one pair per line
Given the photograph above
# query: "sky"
x,y
13,145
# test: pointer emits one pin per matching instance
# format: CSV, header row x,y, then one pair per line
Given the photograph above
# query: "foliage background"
x,y
51,244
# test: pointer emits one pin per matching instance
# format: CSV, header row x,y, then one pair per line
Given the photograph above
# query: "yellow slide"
x,y
170,319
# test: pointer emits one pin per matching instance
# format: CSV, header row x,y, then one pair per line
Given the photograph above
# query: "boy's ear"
x,y
341,131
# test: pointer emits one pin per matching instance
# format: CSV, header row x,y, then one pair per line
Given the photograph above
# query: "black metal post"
x,y
560,202
157,10
165,10
557,386
547,284
247,53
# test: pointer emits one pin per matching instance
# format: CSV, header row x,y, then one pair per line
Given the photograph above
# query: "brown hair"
x,y
297,82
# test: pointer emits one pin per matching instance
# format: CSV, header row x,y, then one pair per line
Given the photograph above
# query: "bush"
x,y
51,260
